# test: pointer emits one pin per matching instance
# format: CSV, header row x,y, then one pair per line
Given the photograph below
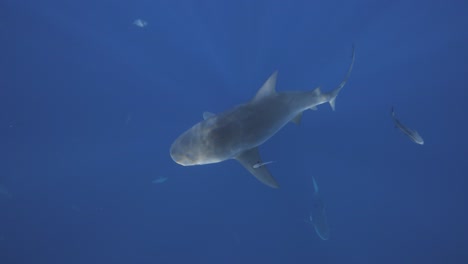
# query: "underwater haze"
x,y
93,94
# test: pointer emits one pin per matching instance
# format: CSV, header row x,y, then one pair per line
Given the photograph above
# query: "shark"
x,y
412,134
238,132
318,216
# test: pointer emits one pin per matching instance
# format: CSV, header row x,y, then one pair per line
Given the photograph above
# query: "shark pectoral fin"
x,y
297,119
251,157
314,108
207,115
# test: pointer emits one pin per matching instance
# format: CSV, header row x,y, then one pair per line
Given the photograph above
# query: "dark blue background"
x,y
90,104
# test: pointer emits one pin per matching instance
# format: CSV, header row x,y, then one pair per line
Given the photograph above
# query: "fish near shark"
x,y
318,216
412,134
159,180
237,133
261,164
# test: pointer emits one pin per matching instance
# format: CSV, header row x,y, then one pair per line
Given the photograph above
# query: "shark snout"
x,y
175,154
180,156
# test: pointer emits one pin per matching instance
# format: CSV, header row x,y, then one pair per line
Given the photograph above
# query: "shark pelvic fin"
x,y
268,88
249,159
297,119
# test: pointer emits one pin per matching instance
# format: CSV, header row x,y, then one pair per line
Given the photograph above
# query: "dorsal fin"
x,y
316,91
268,88
207,115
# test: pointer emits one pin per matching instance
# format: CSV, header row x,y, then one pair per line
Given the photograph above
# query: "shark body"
x,y
237,133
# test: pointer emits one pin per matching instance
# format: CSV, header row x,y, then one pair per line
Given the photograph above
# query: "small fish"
x,y
140,23
260,164
159,180
412,134
318,216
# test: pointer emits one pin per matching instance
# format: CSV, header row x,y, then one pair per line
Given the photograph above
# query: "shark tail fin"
x,y
332,101
336,91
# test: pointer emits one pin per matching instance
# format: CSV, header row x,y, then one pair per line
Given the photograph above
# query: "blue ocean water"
x,y
90,104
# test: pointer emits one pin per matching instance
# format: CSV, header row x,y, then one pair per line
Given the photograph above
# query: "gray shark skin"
x,y
236,133
318,216
412,134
